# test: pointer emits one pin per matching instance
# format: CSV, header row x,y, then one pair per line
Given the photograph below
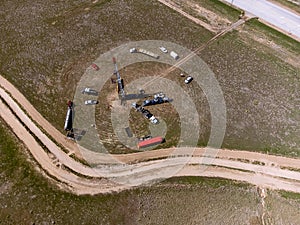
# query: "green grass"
x,y
289,168
289,4
207,181
82,161
29,198
290,195
256,84
49,84
220,8
275,35
26,196
101,3
40,127
281,152
258,163
215,7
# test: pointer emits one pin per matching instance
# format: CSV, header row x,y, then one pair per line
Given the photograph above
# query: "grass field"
x,y
260,92
47,66
26,197
46,47
292,4
268,33
67,37
213,12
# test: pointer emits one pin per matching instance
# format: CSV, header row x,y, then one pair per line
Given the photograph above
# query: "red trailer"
x,y
150,142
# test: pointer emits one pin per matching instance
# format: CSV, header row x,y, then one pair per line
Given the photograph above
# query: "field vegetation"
x,y
27,197
259,85
289,4
46,47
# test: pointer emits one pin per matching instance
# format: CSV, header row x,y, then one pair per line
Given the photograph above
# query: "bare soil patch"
x,y
138,124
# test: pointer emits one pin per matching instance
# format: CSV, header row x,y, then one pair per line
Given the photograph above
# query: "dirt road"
x,y
49,164
144,168
173,6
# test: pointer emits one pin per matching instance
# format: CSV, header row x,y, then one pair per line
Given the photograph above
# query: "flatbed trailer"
x,y
145,52
69,117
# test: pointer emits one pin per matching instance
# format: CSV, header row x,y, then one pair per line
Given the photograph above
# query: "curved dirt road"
x,y
269,174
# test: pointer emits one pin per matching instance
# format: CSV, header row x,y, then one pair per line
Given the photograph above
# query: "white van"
x,y
174,55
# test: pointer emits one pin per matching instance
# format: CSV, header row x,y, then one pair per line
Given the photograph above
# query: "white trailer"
x,y
174,55
68,122
143,51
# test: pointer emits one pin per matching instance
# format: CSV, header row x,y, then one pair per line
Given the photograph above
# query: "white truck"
x,y
153,120
89,91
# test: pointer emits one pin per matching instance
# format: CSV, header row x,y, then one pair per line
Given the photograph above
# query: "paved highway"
x,y
271,13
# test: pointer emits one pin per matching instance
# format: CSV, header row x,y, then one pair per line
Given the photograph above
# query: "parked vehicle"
x,y
159,95
153,120
163,49
145,138
89,91
155,101
188,80
174,55
95,67
146,113
132,50
91,102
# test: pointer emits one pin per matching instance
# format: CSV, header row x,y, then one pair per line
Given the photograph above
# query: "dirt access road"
x,y
229,163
